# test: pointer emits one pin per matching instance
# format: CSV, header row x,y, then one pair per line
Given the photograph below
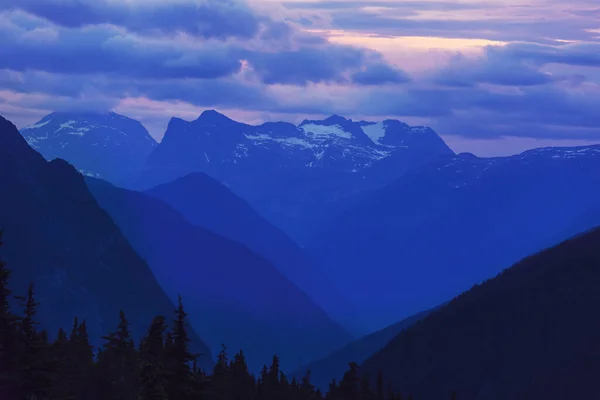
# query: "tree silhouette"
x,y
161,369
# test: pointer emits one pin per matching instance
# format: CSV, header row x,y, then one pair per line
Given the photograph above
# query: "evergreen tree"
x,y
307,390
379,389
294,390
318,395
118,364
61,351
80,360
242,382
221,379
350,383
390,392
8,334
272,386
261,393
33,372
333,392
152,379
285,390
179,359
365,390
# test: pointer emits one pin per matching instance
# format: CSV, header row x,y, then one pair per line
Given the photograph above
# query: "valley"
x,y
392,222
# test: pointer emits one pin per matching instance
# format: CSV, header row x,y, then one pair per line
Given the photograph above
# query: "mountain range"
x,y
57,236
441,228
294,176
325,200
387,214
233,296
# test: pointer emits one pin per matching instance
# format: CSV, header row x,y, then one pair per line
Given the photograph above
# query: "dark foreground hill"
x,y
234,296
57,236
530,333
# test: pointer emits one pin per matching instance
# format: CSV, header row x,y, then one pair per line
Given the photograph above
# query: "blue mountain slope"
x,y
233,296
323,371
440,229
206,203
56,236
529,333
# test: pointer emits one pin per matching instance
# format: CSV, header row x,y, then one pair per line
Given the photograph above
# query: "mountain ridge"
x,y
233,295
293,175
334,365
479,214
207,203
529,332
47,219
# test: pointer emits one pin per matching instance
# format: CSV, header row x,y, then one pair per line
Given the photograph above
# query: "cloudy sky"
x,y
491,76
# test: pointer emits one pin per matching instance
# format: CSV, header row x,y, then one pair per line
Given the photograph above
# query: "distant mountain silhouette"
x,y
103,145
438,230
205,202
336,364
530,333
57,236
233,296
293,175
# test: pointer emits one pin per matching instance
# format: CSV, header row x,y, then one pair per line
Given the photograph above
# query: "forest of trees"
x,y
160,368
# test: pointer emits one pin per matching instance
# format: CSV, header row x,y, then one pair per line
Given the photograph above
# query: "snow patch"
x,y
325,131
420,129
380,154
79,131
33,141
375,132
90,174
241,151
36,126
66,125
288,142
259,137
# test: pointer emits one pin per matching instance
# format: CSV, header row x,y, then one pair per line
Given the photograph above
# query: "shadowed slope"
x,y
233,296
530,333
336,364
57,236
207,203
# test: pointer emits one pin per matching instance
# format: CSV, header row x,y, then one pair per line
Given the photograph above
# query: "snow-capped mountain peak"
x,y
100,144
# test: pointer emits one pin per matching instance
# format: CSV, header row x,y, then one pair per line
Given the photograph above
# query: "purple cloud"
x,y
493,68
55,54
380,74
109,51
219,19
